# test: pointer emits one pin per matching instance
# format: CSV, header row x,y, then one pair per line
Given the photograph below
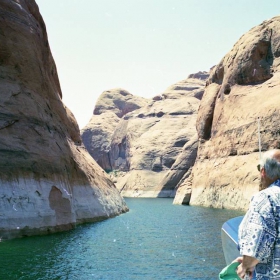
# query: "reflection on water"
x,y
154,240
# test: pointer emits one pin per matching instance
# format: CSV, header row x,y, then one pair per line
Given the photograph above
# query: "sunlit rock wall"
x,y
243,87
143,145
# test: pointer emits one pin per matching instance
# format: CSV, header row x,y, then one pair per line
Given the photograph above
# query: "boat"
x,y
229,235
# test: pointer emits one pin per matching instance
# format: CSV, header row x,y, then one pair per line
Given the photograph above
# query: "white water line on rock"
x,y
66,192
14,207
69,193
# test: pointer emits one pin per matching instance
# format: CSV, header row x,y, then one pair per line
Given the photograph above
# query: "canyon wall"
x,y
110,107
139,145
155,151
48,181
242,90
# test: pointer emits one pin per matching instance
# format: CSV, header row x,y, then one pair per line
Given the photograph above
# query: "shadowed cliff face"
x,y
143,144
243,87
42,160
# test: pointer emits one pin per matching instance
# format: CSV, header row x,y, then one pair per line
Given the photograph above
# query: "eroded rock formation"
x,y
48,181
144,145
110,107
243,87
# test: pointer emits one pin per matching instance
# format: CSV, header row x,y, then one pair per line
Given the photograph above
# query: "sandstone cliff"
x,y
243,87
48,180
110,107
143,145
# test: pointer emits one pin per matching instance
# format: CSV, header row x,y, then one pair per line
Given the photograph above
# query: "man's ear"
x,y
263,173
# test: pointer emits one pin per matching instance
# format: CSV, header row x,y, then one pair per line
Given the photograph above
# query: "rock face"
x,y
156,146
118,101
96,136
180,172
48,180
110,107
192,86
144,145
243,87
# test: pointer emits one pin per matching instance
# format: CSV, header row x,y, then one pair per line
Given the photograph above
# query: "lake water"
x,y
154,240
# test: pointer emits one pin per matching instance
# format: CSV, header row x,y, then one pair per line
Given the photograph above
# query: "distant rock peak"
x,y
201,75
142,145
118,101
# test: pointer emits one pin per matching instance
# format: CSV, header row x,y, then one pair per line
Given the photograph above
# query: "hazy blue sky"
x,y
143,46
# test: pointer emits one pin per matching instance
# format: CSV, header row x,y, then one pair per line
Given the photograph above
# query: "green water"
x,y
154,240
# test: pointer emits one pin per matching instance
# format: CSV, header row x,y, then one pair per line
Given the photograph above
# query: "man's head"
x,y
269,168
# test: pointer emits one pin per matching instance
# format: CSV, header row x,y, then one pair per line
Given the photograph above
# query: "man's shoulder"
x,y
270,194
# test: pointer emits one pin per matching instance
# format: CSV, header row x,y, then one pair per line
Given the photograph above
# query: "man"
x,y
259,231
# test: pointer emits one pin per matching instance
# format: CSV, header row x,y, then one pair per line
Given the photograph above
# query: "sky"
x,y
142,46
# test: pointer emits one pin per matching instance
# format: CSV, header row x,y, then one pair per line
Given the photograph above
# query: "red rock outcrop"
x,y
49,182
243,87
145,143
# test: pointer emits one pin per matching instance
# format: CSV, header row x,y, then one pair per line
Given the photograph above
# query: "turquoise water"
x,y
154,240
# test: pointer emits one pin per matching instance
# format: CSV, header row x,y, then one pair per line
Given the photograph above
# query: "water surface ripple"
x,y
154,240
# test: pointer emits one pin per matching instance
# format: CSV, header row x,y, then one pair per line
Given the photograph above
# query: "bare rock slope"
x,y
243,87
110,107
143,144
49,182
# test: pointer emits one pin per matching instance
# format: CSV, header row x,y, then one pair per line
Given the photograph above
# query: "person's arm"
x,y
247,265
